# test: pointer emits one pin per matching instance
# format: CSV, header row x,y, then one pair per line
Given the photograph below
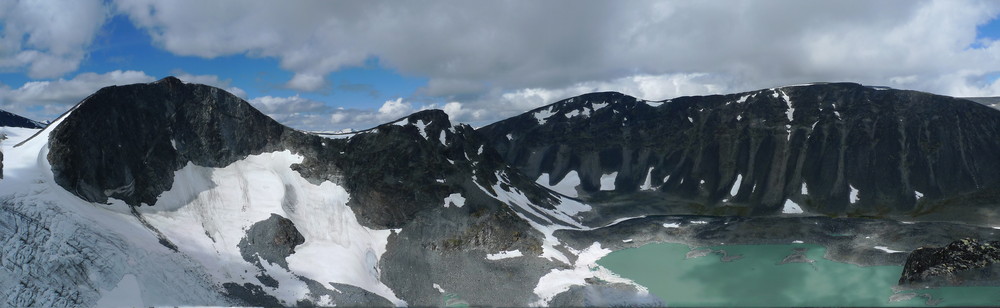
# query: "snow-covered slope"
x,y
58,250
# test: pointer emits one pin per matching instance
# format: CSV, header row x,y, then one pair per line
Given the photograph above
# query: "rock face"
x,y
125,142
837,149
963,262
8,119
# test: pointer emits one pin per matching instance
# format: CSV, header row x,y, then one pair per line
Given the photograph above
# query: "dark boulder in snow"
x,y
272,240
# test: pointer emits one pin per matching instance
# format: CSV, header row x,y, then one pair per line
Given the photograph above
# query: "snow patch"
x,y
798,242
455,199
504,255
438,287
560,280
608,181
653,104
917,194
791,207
672,225
421,128
788,102
854,194
736,185
442,138
543,114
567,186
648,184
886,249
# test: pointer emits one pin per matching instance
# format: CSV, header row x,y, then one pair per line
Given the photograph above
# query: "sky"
x,y
331,65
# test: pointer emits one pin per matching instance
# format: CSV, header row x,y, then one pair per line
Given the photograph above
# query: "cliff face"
x,y
835,149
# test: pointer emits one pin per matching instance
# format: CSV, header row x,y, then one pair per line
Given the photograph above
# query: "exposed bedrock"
x,y
835,149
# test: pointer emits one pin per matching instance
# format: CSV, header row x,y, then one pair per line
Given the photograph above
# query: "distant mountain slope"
x,y
13,128
832,148
8,119
988,101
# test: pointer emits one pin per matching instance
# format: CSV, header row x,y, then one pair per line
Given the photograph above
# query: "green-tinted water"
x,y
758,278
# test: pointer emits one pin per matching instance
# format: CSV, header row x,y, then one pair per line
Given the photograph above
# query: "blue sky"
x,y
334,65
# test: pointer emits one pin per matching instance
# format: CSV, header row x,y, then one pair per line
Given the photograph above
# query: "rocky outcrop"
x,y
271,240
838,149
125,142
963,262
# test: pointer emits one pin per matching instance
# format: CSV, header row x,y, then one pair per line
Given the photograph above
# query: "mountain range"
x,y
170,193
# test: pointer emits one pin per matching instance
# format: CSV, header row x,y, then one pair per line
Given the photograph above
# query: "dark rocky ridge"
x,y
8,119
963,262
888,144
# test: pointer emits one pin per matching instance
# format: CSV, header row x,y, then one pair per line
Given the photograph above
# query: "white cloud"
x,y
394,109
44,100
48,38
470,48
306,82
491,65
56,96
286,105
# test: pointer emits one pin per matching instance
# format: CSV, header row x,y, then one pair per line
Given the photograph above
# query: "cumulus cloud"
x,y
47,38
473,47
294,111
497,58
390,110
44,100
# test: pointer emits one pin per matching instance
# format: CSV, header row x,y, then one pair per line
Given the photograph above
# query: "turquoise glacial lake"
x,y
753,275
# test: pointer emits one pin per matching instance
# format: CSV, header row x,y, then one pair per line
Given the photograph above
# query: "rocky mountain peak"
x,y
124,142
